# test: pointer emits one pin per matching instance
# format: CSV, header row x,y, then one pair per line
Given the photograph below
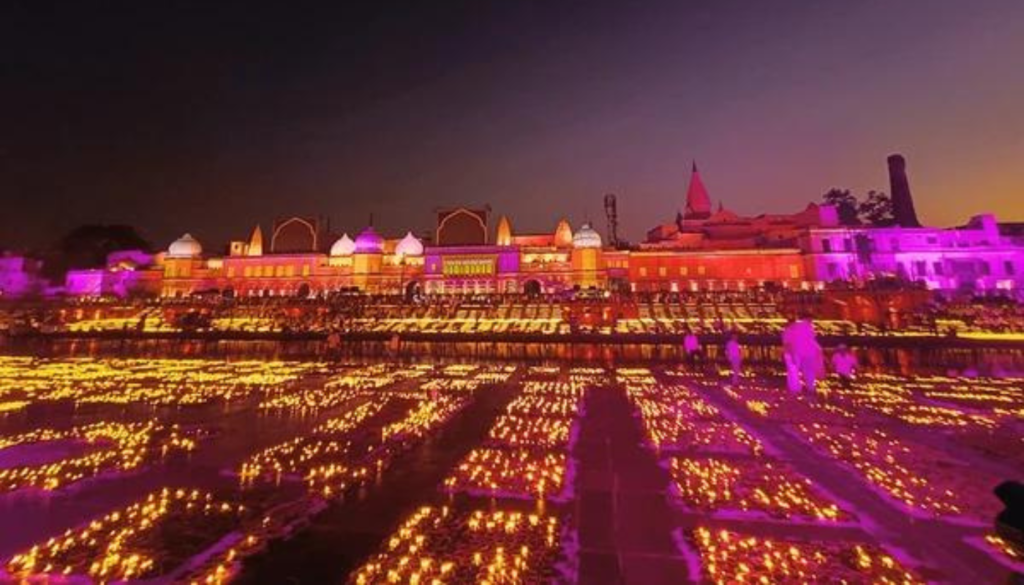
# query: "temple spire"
x,y
255,247
504,235
698,203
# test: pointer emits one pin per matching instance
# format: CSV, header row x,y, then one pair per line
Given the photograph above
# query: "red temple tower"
x,y
698,203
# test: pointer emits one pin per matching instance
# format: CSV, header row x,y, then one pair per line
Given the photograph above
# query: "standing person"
x,y
734,353
333,343
691,345
789,360
803,354
792,372
844,362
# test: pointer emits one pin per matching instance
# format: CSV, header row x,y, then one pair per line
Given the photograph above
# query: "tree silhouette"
x,y
876,209
845,203
87,246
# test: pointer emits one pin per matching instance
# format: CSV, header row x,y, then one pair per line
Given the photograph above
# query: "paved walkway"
x,y
625,523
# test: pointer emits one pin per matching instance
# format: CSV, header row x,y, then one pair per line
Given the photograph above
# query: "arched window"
x,y
294,235
462,227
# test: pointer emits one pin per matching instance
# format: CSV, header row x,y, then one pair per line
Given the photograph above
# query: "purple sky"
x,y
190,118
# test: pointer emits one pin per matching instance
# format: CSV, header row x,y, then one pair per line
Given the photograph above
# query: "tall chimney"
x,y
899,189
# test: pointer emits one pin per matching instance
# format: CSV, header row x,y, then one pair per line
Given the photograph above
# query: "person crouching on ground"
x,y
734,354
844,362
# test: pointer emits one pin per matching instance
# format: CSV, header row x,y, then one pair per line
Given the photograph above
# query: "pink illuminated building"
x,y
20,277
126,272
972,258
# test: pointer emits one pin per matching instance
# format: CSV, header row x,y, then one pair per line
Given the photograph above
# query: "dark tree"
x,y
87,246
845,203
876,209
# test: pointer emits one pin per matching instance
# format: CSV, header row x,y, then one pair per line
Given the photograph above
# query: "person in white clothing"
x,y
844,362
691,345
792,372
805,362
734,354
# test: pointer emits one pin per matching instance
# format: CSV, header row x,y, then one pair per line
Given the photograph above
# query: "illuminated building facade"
x,y
19,276
127,272
972,258
703,249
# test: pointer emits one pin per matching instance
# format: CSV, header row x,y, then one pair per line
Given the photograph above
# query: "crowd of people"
x,y
802,354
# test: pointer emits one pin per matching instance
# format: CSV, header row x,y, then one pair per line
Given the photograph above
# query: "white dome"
x,y
586,237
409,246
185,247
343,247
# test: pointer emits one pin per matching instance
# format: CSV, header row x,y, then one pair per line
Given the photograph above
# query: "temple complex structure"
x,y
702,249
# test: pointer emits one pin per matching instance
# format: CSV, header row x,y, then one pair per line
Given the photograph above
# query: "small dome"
x,y
344,246
369,242
185,247
409,246
586,237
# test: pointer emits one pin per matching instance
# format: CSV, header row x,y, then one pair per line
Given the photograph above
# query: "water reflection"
x,y
929,358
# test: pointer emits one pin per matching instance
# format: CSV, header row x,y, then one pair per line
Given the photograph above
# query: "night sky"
x,y
212,116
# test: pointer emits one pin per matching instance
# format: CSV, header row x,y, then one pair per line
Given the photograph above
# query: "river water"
x,y
906,360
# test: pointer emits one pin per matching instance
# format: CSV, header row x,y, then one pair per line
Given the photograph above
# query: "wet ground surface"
x,y
337,541
314,472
